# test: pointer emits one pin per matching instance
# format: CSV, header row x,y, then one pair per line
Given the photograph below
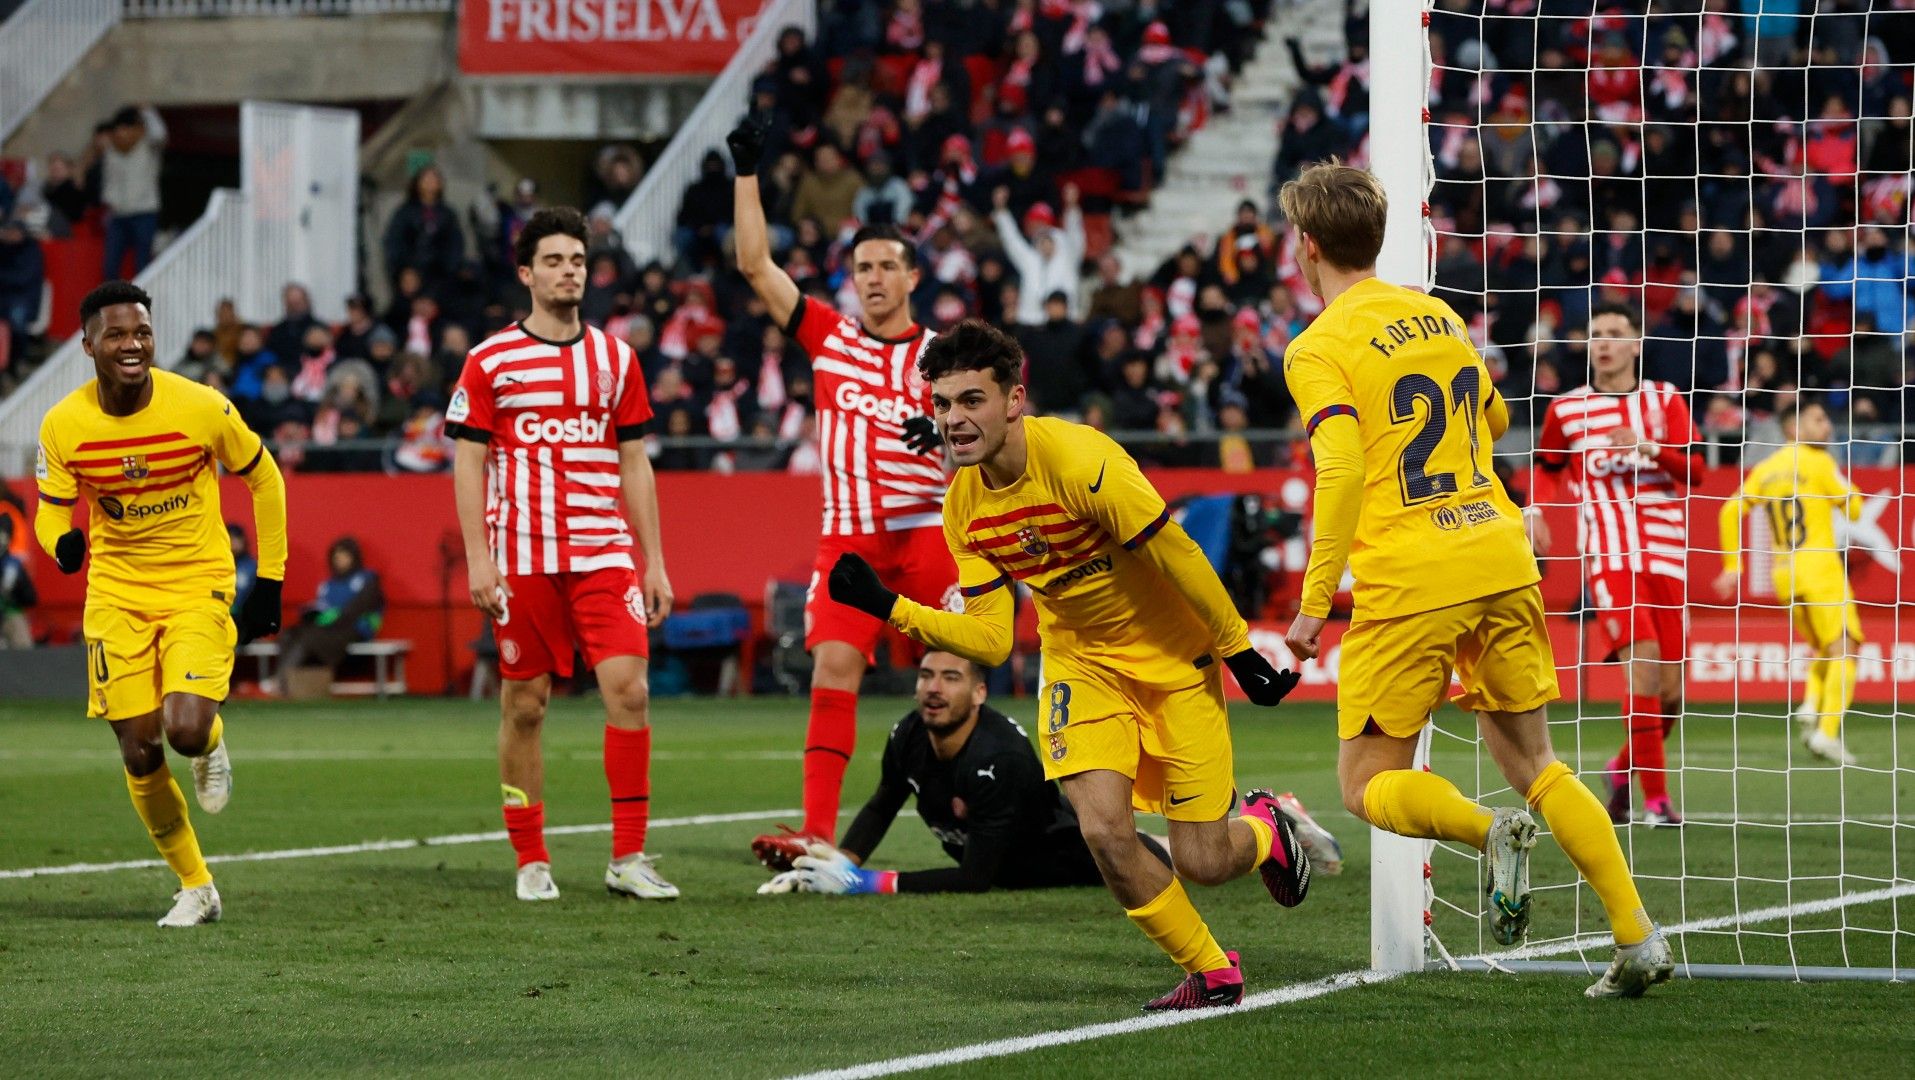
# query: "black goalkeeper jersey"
x,y
990,807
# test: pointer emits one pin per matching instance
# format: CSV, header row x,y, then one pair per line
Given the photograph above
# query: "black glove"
x,y
1262,684
854,584
259,616
70,551
747,143
921,435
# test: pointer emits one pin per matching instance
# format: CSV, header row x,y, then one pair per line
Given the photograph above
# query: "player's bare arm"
x,y
749,233
486,587
639,487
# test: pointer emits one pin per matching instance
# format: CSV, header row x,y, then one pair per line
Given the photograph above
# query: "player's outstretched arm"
x,y
1179,559
749,232
1729,528
262,611
981,632
639,488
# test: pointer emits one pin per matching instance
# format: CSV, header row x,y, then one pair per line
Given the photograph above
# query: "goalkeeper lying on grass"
x,y
981,791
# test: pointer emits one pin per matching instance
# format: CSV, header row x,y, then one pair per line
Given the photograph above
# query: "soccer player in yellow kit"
x,y
1134,623
1801,489
140,447
1401,415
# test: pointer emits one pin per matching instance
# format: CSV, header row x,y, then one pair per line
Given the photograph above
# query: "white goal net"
x,y
1742,181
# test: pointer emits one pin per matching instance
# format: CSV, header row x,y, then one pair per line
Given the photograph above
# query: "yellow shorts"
x,y
1822,614
1173,744
134,659
1395,672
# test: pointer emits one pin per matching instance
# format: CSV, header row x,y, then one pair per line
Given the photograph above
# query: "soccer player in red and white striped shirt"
x,y
1623,450
884,479
553,483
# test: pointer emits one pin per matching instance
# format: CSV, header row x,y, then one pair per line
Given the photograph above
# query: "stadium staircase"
x,y
1230,158
39,44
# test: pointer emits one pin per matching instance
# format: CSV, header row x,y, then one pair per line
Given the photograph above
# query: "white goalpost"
x,y
1754,246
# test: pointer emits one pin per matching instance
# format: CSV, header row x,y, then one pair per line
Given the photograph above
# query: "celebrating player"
x,y
140,446
550,416
1133,622
1802,490
1401,419
883,484
980,790
1626,447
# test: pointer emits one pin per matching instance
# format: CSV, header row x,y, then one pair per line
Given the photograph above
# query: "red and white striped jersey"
x,y
866,388
1632,510
552,415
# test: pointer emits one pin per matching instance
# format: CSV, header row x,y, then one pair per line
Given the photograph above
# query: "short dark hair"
x,y
109,293
886,231
973,345
979,673
1624,310
551,221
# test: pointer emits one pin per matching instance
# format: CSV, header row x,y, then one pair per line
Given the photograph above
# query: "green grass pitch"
x,y
418,961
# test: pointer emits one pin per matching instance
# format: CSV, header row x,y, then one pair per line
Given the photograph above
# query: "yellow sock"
x,y
1173,923
1812,686
1411,802
1838,693
163,809
1266,836
1582,827
215,734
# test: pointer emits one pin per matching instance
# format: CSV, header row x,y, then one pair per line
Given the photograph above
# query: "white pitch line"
x,y
1285,995
319,754
448,840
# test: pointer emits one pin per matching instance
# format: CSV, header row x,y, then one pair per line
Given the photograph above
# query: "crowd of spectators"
x,y
1756,215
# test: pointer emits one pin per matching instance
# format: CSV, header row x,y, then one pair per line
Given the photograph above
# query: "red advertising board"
x,y
736,533
601,37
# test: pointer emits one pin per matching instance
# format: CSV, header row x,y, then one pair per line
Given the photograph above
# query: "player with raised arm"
x,y
1624,448
1401,415
883,476
980,790
140,446
552,484
1134,623
1801,489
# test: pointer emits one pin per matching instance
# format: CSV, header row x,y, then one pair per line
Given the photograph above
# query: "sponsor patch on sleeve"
x,y
460,407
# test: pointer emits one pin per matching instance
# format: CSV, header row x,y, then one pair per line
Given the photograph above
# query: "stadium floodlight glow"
x,y
1755,217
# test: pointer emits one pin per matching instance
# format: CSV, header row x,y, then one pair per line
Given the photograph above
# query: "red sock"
x,y
628,773
525,826
1645,745
829,740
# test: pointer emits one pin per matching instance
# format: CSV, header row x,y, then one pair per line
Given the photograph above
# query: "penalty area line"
x,y
449,840
1304,991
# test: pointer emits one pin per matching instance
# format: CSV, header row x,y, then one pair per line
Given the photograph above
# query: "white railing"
x,y
39,44
646,219
187,281
190,9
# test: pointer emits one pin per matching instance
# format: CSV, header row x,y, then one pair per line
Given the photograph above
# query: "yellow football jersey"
x,y
1436,527
156,535
1069,529
1799,489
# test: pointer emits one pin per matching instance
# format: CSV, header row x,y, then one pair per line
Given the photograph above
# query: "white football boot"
x,y
1326,855
535,882
1511,836
636,877
1827,747
1636,968
213,778
192,907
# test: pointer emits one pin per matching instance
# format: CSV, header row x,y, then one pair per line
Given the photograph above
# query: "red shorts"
x,y
549,616
1632,607
915,563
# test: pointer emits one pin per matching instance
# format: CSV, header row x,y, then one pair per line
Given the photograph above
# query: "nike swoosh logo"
x,y
194,678
1094,488
1175,801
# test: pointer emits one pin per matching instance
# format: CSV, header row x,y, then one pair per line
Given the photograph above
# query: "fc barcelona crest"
x,y
133,467
1033,544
